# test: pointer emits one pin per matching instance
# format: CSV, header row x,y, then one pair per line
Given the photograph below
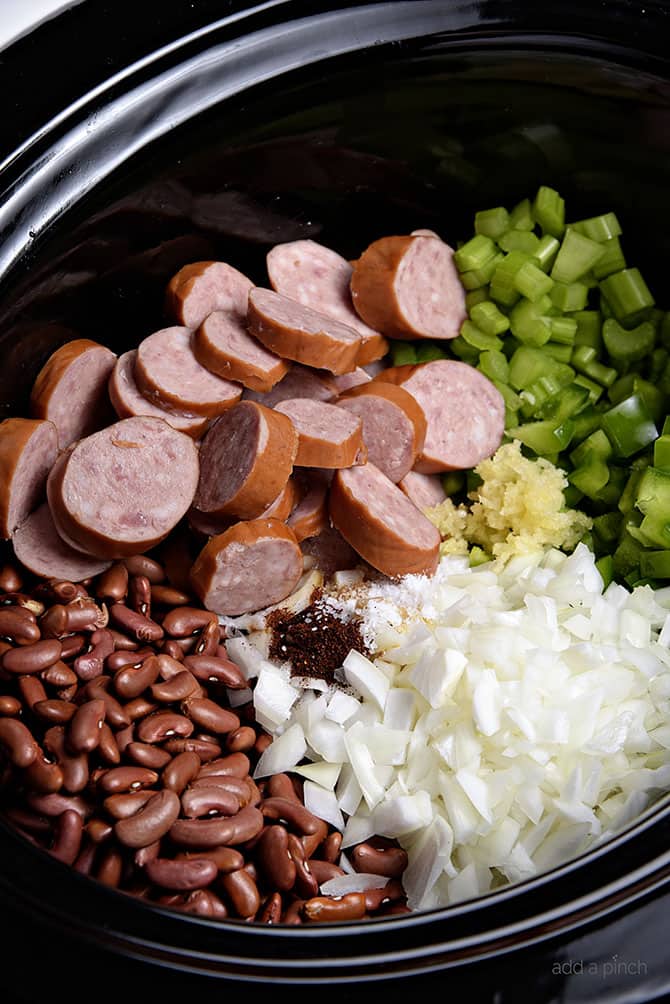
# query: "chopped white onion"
x,y
323,803
283,753
342,885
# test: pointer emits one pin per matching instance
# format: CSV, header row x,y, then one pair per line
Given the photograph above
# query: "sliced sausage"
x,y
394,425
424,490
298,382
204,286
129,403
310,516
285,503
39,547
409,287
28,451
250,566
356,378
330,551
381,524
208,524
122,490
464,411
223,344
327,435
295,331
169,375
71,389
319,278
246,459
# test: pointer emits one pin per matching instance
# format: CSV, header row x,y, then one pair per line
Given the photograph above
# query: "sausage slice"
x,y
310,516
40,548
246,459
298,382
295,331
225,347
250,566
120,491
356,378
204,286
329,551
394,425
464,411
319,278
168,374
381,524
424,490
208,524
327,435
129,403
71,389
408,287
28,451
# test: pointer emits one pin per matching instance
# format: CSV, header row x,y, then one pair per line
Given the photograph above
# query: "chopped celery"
x,y
492,222
528,364
476,278
487,317
546,252
599,228
556,350
658,362
612,260
577,256
543,437
475,253
589,324
521,217
494,365
512,401
532,282
595,389
549,211
403,353
502,288
519,240
477,338
466,353
569,297
529,324
662,452
629,426
475,296
563,330
427,351
628,346
626,293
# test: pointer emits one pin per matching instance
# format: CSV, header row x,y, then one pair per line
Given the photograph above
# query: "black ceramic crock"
x,y
139,136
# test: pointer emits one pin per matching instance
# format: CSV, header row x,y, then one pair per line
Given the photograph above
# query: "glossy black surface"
x,y
275,124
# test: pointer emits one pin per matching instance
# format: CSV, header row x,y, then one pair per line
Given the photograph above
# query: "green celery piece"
x,y
596,445
608,527
629,426
576,257
665,431
595,389
605,375
479,339
599,228
662,452
569,297
521,217
655,564
664,330
544,389
629,346
502,288
658,362
544,438
475,296
528,364
569,403
519,240
453,482
487,317
512,401
546,251
627,293
475,253
605,566
549,211
562,353
621,388
494,365
563,330
590,478
492,223
426,352
613,259
403,353
589,325
532,282
529,324
477,278
466,353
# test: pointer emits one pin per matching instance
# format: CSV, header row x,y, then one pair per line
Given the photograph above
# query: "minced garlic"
x,y
519,507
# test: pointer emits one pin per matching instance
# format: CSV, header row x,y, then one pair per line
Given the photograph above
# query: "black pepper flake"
x,y
315,642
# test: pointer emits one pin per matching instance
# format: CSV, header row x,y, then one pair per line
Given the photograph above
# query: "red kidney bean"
x,y
203,903
182,622
390,893
240,740
274,859
228,831
43,776
122,643
198,802
172,649
237,764
332,846
390,861
21,605
323,870
152,822
311,841
139,707
161,725
139,595
271,910
59,675
67,837
140,564
132,680
262,743
107,747
124,657
64,591
124,737
99,830
32,822
9,706
110,868
18,628
83,734
32,690
305,882
241,892
167,596
57,803
144,855
18,742
115,713
134,624
293,913
10,580
241,788
91,664
86,859
186,645
74,767
122,779
181,771
205,750
81,614
182,685
181,875
72,644
226,859
208,639
211,669
169,667
32,658
148,756
126,804
335,909
293,813
113,584
210,715
55,711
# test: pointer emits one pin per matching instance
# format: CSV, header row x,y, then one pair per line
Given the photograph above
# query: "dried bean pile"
x,y
121,757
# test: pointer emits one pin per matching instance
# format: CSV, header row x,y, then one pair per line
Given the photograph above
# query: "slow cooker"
x,y
138,137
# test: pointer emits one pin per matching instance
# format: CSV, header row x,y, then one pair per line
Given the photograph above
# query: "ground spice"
x,y
315,642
